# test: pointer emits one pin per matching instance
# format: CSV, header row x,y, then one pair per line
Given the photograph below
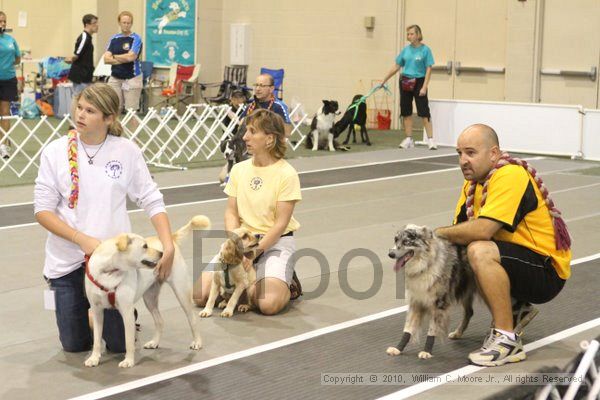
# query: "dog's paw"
x,y
331,149
244,307
222,304
196,345
455,335
127,363
92,361
227,313
424,355
314,149
392,351
151,345
205,313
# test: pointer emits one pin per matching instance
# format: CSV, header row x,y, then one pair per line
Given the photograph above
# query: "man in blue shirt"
x,y
123,53
264,98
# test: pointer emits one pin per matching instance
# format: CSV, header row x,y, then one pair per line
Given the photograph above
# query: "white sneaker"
x,y
407,143
498,349
4,151
431,144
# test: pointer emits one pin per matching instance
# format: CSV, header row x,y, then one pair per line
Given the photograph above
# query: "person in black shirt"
x,y
82,68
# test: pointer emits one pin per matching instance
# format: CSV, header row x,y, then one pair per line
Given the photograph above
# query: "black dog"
x,y
351,117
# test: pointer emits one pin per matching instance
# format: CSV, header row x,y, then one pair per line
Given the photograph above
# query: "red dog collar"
x,y
111,294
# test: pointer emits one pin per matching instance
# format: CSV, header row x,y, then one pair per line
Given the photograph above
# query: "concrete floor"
x,y
334,220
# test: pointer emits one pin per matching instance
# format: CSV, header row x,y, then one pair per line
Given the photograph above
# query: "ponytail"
x,y
115,129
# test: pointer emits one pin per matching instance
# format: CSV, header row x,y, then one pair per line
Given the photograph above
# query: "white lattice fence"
x,y
166,139
27,138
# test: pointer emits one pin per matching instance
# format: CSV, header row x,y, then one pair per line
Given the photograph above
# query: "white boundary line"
x,y
313,188
237,355
320,332
306,189
453,375
299,173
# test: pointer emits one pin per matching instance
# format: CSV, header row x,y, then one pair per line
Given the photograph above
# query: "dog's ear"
x,y
123,241
427,232
325,102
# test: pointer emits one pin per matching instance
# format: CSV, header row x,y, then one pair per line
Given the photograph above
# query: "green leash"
x,y
364,98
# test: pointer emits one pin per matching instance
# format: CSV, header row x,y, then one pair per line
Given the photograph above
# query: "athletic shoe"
x,y
4,151
431,144
499,350
407,143
295,287
523,313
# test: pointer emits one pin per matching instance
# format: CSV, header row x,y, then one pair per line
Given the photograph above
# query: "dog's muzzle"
x,y
149,263
402,260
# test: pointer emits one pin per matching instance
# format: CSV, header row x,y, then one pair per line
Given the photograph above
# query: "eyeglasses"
x,y
260,85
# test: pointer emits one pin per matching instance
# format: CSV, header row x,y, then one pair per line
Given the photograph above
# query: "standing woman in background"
x,y
123,53
10,55
416,61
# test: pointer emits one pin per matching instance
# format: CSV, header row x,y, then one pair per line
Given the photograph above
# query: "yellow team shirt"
x,y
258,189
514,200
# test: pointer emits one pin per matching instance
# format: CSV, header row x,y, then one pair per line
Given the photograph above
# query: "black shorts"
x,y
8,90
532,275
422,102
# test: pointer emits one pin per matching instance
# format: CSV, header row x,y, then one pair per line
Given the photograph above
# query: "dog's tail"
x,y
198,222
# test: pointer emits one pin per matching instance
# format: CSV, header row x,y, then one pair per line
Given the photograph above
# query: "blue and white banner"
x,y
170,32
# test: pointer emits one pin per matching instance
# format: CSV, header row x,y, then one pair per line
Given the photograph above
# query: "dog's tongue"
x,y
403,260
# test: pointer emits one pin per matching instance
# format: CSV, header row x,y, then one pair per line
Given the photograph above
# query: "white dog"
x,y
170,16
121,270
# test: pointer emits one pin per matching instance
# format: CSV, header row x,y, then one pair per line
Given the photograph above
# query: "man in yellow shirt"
x,y
517,242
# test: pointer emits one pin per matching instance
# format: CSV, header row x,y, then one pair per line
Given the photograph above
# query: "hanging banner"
x,y
170,32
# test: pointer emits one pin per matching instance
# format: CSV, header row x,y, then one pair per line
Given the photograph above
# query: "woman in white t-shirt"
x,y
263,192
80,198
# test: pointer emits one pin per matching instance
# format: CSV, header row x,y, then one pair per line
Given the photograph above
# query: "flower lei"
x,y
561,234
73,168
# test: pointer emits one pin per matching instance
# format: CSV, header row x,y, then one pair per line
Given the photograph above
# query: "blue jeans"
x,y
72,316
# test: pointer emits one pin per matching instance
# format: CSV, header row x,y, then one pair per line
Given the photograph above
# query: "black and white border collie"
x,y
321,127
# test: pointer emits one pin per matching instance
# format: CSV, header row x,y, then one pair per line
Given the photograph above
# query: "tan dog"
x,y
230,278
121,270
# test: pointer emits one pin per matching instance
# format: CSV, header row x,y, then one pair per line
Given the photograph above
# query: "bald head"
x,y
478,151
485,133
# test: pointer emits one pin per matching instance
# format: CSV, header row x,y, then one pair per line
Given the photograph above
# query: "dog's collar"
x,y
111,293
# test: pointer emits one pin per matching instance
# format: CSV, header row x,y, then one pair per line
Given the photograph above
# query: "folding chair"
x,y
234,78
277,75
147,68
182,82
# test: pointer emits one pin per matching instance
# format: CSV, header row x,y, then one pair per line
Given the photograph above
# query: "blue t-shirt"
x,y
278,107
121,44
415,60
9,51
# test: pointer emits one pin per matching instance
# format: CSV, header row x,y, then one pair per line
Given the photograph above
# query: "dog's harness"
x,y
111,293
228,284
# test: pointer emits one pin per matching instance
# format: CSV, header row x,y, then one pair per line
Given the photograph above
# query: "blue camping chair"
x,y
277,75
147,67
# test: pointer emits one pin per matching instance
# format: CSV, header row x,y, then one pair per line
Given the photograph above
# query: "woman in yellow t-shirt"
x,y
263,192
